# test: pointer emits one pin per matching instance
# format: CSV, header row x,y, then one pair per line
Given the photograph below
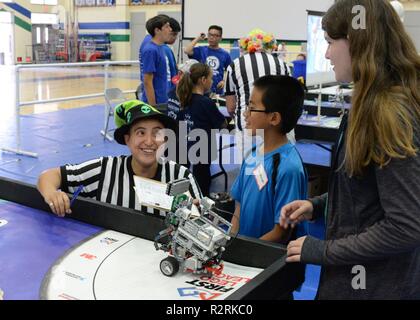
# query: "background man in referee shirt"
x,y
110,179
257,61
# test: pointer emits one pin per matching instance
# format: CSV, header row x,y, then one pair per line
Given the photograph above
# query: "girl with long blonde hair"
x,y
372,245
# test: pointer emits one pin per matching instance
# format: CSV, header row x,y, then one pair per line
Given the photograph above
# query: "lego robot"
x,y
195,243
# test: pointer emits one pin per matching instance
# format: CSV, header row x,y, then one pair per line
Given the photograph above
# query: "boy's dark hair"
x,y
175,26
302,55
282,94
156,22
218,28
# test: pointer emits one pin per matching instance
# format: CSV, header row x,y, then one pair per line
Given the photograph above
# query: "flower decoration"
x,y
258,40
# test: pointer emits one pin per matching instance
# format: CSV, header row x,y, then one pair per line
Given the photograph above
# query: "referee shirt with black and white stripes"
x,y
242,73
110,179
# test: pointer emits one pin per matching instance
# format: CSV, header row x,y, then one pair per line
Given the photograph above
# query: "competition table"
x,y
43,256
324,129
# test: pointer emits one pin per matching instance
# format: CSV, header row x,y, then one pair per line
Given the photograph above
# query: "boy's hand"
x,y
59,203
295,212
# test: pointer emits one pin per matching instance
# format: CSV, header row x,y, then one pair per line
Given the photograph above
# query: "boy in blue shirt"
x,y
272,175
171,67
153,65
215,57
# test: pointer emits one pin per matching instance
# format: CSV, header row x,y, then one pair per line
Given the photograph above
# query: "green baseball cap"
x,y
130,111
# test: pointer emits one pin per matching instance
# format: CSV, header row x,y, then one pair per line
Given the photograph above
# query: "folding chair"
x,y
138,92
113,96
162,107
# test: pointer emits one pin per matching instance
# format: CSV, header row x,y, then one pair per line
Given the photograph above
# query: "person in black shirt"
x,y
199,112
174,106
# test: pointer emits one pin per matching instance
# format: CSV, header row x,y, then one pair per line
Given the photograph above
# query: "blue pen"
x,y
75,194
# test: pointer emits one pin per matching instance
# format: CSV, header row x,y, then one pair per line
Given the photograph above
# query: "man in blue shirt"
x,y
153,66
273,173
215,57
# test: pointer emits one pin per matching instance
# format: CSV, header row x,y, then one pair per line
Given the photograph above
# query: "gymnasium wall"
x,y
111,20
286,19
121,37
118,19
23,29
114,20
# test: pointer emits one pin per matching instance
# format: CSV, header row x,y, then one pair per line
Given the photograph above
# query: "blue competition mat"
x,y
30,242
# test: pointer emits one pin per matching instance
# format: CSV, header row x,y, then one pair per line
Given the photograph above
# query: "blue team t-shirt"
x,y
171,67
218,59
153,60
260,209
202,113
174,106
146,40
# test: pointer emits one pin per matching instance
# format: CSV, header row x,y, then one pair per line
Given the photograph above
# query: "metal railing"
x,y
19,104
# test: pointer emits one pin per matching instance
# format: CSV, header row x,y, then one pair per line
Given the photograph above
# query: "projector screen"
x,y
286,19
318,68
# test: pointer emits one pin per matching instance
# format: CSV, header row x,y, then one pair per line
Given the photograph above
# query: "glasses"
x,y
250,109
214,35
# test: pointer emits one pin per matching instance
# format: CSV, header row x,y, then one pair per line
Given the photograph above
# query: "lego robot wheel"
x,y
169,266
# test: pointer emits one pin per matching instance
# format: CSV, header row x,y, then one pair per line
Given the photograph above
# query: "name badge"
x,y
260,176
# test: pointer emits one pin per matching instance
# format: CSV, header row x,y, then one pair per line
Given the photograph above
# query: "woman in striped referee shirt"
x,y
110,179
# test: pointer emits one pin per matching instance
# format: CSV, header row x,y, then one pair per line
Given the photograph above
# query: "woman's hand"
x,y
295,212
294,250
